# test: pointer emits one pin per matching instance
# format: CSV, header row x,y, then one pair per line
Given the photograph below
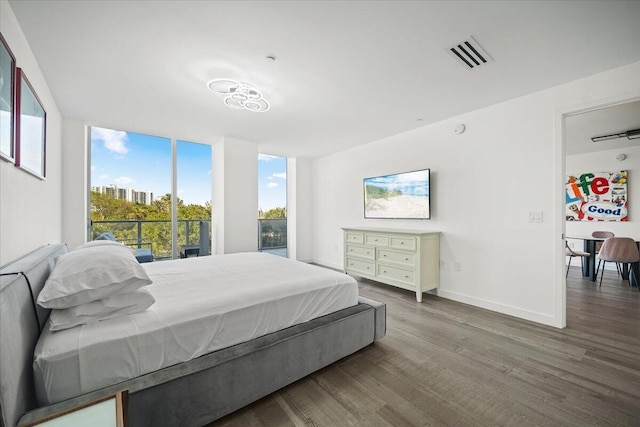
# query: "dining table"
x,y
589,263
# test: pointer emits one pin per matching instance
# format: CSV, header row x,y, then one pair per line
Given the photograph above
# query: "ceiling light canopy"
x,y
239,95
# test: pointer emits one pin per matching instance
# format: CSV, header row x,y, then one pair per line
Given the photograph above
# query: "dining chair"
x,y
620,250
603,235
571,253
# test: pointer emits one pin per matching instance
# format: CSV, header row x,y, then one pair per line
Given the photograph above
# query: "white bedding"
x,y
202,304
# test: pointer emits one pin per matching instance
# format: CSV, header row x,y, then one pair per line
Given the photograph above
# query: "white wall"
x,y
485,182
30,208
75,182
235,196
601,161
299,209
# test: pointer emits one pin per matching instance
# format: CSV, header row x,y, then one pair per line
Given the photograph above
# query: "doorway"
x,y
583,152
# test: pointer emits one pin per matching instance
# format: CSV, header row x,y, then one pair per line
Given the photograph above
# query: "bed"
x,y
218,376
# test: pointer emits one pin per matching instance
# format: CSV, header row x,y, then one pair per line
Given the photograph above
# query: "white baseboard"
x,y
533,316
542,318
328,264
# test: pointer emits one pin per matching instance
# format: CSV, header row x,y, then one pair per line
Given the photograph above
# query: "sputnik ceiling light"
x,y
239,95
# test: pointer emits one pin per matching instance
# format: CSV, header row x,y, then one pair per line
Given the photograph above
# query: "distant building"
x,y
111,190
128,194
144,197
122,193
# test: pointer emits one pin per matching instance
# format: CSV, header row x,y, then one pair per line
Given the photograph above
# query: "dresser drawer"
x,y
365,267
402,242
376,240
404,258
361,251
354,237
397,274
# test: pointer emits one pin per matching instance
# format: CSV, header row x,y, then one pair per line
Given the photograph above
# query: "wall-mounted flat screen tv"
x,y
398,196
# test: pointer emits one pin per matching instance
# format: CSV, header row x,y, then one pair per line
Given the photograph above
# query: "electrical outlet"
x,y
457,266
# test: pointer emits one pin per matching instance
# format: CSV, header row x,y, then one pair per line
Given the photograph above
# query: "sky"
x,y
272,182
410,183
143,162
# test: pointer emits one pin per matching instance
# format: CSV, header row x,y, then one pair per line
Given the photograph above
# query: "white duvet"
x,y
202,305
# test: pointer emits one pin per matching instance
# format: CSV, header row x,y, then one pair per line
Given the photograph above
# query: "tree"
x,y
163,204
194,211
157,231
275,213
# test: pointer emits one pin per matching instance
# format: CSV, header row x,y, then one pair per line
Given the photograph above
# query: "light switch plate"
x,y
535,216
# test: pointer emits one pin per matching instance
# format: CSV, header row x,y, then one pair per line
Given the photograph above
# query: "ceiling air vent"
x,y
470,54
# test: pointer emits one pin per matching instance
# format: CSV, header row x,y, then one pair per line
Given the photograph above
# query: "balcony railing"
x,y
157,234
272,234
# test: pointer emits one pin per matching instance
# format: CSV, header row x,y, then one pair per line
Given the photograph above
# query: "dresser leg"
x,y
418,296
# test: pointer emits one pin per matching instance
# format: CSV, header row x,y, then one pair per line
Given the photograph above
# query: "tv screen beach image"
x,y
403,195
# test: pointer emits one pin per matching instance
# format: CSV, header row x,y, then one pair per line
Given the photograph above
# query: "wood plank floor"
x,y
443,363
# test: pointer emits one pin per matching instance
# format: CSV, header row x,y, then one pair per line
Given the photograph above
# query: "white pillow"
x,y
95,243
112,243
95,311
91,274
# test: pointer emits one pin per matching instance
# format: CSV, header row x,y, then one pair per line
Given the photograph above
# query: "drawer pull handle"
x,y
367,268
385,255
367,252
375,240
406,277
406,259
385,271
351,264
402,243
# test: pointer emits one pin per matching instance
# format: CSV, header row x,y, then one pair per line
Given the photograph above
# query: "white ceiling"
x,y
346,73
606,121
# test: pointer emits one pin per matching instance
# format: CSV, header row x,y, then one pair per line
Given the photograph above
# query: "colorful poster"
x,y
597,196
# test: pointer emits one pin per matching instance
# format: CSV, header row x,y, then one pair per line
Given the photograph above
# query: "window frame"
x,y
42,173
10,156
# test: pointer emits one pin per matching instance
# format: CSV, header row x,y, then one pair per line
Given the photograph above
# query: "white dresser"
x,y
408,259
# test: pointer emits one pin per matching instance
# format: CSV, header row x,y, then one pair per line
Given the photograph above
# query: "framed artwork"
x,y
7,102
597,196
109,411
31,128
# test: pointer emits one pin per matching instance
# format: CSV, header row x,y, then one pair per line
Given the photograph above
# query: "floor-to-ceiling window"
x,y
146,202
272,204
193,198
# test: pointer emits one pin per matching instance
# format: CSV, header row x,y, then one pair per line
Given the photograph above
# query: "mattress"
x,y
202,305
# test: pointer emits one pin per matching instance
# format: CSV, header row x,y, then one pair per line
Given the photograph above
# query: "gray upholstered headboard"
x,y
21,321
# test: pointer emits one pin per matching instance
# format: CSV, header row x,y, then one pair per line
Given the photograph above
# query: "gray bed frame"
x,y
191,393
